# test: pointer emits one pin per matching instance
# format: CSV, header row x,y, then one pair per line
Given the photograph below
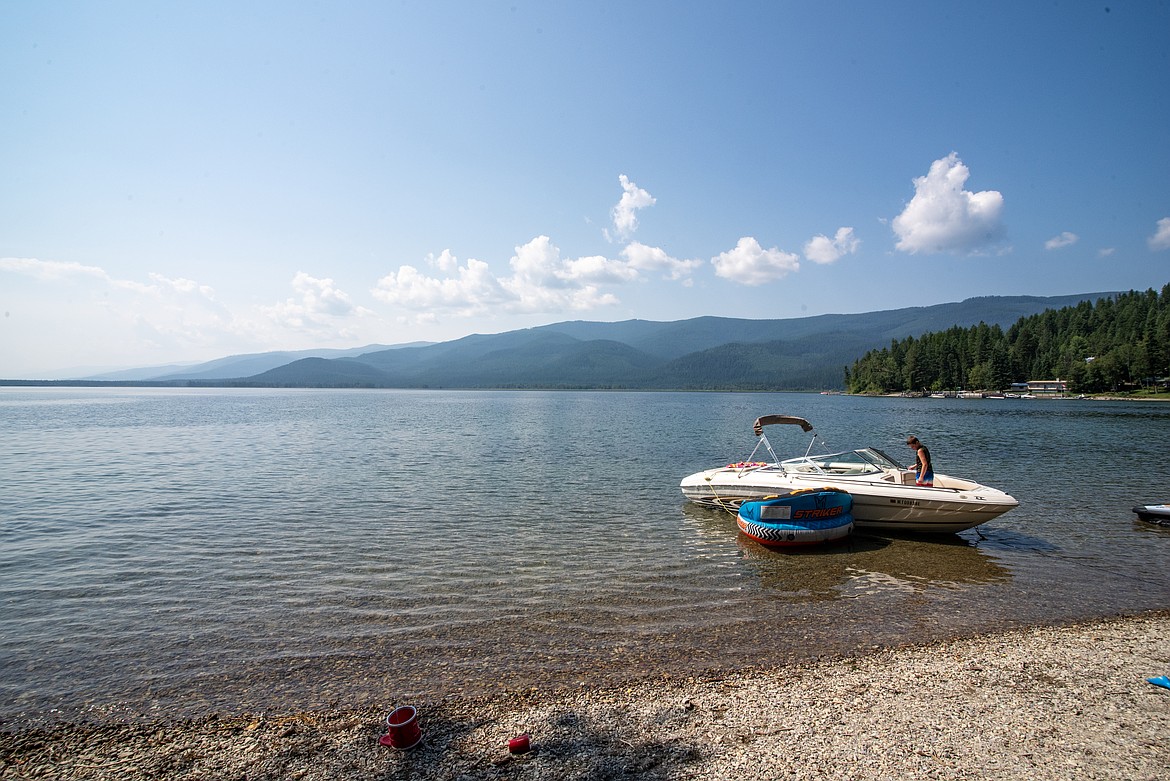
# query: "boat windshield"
x,y
882,458
855,462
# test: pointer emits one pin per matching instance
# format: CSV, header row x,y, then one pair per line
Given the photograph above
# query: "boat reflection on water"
x,y
859,566
1147,527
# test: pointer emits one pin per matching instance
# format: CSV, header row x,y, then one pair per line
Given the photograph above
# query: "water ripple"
x,y
236,549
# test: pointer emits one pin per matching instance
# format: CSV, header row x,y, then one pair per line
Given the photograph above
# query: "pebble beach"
x,y
1067,702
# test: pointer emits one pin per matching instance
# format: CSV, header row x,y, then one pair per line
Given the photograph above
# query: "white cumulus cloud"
x,y
180,311
1065,239
822,249
625,213
446,262
472,290
99,319
176,312
943,217
644,258
318,307
51,270
1161,237
751,264
541,280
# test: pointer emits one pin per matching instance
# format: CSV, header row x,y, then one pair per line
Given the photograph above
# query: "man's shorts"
x,y
927,479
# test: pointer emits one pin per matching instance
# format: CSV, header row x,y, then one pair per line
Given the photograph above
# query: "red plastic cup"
x,y
519,744
402,728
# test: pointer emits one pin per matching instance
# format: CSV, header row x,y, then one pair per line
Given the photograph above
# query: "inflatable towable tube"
x,y
805,517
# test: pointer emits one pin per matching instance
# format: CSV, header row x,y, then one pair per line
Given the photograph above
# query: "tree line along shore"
x,y
1114,344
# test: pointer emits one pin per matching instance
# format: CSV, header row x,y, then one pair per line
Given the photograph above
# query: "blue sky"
x,y
188,180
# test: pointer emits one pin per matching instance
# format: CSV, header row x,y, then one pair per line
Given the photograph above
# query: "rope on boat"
x,y
719,502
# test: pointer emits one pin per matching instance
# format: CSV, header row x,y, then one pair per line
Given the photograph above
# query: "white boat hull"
x,y
880,503
1154,513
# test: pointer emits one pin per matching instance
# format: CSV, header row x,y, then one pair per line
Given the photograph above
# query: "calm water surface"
x,y
174,552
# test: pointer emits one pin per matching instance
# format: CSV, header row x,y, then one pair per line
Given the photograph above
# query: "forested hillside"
x,y
1111,344
701,353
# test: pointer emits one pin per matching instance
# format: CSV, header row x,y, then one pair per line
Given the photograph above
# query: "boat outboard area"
x,y
1154,513
885,496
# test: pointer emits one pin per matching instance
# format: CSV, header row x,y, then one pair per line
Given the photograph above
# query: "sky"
x,y
187,180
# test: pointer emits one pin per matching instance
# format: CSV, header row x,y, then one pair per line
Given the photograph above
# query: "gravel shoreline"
x,y
1066,702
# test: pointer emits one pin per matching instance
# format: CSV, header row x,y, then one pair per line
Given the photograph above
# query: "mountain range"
x,y
237,365
701,353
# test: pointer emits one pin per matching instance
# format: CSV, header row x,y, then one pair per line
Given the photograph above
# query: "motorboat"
x,y
1154,513
885,497
800,518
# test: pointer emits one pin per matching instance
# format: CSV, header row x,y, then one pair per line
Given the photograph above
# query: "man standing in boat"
x,y
923,470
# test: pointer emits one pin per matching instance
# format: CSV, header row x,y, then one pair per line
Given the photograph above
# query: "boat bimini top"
x,y
770,420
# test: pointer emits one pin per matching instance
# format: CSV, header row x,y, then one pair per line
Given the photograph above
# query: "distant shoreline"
x,y
243,385
1094,397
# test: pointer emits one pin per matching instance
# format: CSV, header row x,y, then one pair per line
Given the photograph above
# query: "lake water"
x,y
175,552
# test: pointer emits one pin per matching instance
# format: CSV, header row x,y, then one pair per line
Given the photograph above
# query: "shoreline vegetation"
x,y
1066,397
1041,703
1120,341
1135,396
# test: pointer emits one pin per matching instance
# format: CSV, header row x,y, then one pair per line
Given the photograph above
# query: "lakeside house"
x,y
1041,387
